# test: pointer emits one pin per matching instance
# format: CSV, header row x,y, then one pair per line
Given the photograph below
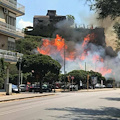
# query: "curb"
x,y
13,99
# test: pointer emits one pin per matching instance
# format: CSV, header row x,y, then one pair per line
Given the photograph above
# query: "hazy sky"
x,y
78,8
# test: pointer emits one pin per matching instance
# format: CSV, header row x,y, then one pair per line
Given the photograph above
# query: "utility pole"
x,y
114,83
20,60
85,66
64,64
87,81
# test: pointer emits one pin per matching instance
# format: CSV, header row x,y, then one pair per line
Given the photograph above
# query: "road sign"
x,y
72,77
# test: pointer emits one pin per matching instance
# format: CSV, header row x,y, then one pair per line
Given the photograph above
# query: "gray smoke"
x,y
74,38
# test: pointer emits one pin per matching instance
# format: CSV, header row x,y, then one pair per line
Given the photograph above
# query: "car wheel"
x,y
47,90
33,90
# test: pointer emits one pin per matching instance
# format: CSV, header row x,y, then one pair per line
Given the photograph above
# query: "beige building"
x,y
9,10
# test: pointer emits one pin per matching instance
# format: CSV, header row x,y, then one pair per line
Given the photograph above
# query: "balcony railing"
x,y
10,56
14,5
11,30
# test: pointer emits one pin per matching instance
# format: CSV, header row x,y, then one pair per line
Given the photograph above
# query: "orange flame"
x,y
58,45
97,58
105,71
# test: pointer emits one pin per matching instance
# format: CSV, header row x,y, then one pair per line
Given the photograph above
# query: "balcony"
x,y
10,30
10,56
14,7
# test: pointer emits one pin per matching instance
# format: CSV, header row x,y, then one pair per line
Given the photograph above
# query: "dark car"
x,y
36,88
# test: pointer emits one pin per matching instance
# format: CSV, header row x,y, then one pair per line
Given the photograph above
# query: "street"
x,y
99,105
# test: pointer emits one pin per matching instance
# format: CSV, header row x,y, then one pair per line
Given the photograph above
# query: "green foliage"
x,y
106,8
50,77
28,44
78,75
117,31
71,19
1,82
40,64
2,72
82,75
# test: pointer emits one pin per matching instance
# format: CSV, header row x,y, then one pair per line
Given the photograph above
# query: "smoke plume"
x,y
82,45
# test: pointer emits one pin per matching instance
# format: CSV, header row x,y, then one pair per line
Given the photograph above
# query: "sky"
x,y
78,8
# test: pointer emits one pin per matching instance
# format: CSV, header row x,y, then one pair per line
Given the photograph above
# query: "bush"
x,y
1,82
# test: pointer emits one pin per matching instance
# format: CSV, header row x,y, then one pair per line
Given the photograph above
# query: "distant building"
x,y
50,18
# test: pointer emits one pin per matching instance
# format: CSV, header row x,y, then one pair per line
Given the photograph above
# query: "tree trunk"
x,y
41,86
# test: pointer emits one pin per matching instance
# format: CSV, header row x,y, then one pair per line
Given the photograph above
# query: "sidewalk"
x,y
18,96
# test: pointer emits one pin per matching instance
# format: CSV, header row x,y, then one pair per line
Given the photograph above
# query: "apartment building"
x,y
44,25
9,11
51,17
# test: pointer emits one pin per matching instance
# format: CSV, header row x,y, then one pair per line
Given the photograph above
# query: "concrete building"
x,y
9,10
51,17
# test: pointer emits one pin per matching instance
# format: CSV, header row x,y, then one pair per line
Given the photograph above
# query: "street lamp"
x,y
19,60
85,66
64,64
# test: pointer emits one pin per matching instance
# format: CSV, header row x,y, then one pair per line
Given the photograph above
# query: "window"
x,y
10,20
11,45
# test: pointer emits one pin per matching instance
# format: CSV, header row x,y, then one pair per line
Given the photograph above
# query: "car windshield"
x,y
14,86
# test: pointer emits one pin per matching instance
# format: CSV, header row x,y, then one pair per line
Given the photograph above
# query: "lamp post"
x,y
85,66
64,64
20,60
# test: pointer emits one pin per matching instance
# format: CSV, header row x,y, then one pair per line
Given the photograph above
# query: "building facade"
x,y
50,18
9,11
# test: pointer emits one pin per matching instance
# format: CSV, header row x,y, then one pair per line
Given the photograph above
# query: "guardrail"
x,y
14,4
9,55
11,29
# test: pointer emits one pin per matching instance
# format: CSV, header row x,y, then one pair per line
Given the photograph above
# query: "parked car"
x,y
99,86
36,88
15,88
23,87
109,86
73,87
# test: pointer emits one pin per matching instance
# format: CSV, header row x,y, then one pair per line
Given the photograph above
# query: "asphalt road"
x,y
101,105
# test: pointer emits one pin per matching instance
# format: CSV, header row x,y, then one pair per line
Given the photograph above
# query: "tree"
x,y
108,8
41,65
71,19
81,75
28,44
117,31
2,72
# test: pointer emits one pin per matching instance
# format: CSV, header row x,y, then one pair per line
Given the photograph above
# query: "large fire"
x,y
59,46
